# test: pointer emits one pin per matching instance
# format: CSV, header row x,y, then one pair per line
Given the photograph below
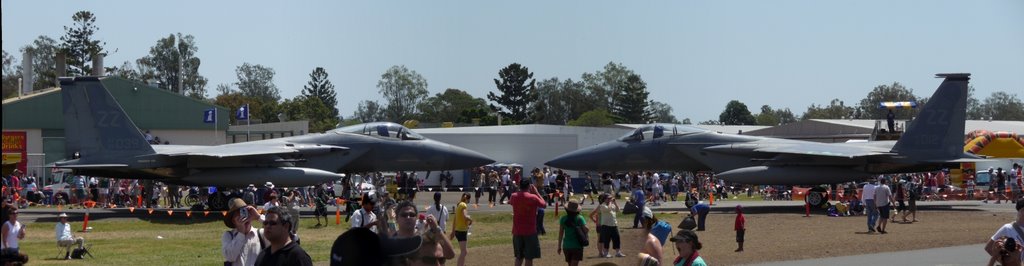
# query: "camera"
x,y
1010,245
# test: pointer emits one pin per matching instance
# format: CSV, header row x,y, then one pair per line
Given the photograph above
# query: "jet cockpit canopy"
x,y
655,131
381,130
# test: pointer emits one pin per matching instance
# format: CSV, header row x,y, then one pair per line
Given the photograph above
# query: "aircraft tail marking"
x,y
938,130
96,126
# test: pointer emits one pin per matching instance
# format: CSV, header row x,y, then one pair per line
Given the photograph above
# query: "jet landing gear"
x,y
817,197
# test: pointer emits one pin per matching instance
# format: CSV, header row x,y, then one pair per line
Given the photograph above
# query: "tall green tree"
x,y
772,117
448,106
43,50
257,82
558,102
594,118
10,76
836,109
631,102
736,113
662,112
886,93
480,116
974,110
1003,106
321,88
128,71
311,108
517,91
604,85
224,88
403,90
369,111
79,44
173,63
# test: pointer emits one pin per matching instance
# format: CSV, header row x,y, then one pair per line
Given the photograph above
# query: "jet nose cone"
x,y
576,160
463,158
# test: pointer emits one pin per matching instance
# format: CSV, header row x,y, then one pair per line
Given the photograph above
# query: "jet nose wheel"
x,y
816,198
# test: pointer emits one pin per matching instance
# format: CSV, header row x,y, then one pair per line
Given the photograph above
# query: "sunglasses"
x,y
408,215
271,223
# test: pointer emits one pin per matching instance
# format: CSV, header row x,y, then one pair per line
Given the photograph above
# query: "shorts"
x,y
573,254
884,212
526,247
900,206
461,236
740,234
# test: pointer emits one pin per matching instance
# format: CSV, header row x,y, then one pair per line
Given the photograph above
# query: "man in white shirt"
x,y
1009,230
64,236
868,196
883,196
365,217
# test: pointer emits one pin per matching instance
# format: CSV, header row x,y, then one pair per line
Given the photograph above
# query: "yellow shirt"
x,y
460,220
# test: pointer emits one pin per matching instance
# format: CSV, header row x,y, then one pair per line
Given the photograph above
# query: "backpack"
x,y
78,253
688,223
581,232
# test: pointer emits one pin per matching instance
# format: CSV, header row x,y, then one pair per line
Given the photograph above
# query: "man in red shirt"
x,y
525,203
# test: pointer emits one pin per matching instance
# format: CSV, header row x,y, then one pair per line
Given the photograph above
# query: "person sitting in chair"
x,y
64,236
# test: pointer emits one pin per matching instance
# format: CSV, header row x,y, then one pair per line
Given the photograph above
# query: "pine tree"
x,y
517,88
322,88
78,44
631,102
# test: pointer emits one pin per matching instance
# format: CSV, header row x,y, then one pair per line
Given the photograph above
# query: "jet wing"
x,y
829,150
225,151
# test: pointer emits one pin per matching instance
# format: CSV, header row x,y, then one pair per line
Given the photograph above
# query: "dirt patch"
x,y
779,237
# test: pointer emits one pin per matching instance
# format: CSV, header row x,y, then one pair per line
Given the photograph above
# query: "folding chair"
x,y
63,251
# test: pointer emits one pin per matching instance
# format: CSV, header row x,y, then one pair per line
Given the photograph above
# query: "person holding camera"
x,y
1004,242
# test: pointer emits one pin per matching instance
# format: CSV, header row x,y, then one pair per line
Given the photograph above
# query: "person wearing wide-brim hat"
x,y
569,242
242,244
65,237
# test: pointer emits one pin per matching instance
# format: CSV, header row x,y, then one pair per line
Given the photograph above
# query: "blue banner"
x,y
243,112
210,116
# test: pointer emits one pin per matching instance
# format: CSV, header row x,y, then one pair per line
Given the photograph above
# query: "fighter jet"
x,y
108,144
933,140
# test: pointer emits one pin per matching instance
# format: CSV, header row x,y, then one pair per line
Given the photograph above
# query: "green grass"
x,y
196,241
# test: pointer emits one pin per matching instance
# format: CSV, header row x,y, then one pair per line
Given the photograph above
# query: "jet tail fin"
x,y
95,125
938,130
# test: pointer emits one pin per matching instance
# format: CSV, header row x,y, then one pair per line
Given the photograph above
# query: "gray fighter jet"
x,y
934,140
108,144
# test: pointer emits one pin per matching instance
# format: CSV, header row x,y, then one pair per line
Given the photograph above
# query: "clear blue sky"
x,y
694,55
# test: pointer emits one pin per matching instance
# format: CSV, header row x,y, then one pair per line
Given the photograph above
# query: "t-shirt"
x,y
1008,231
696,262
290,254
362,217
661,230
607,215
460,221
638,197
570,240
869,192
882,194
441,216
524,212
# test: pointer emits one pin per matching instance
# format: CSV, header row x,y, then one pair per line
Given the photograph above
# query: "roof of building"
x,y
864,127
149,107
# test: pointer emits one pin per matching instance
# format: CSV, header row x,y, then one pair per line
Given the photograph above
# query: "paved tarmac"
x,y
958,255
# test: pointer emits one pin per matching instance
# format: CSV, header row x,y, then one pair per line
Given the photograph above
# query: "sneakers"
x,y
619,254
607,255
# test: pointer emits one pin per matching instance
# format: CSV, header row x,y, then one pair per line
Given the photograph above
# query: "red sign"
x,y
14,147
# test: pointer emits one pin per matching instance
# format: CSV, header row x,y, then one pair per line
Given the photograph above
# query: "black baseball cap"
x,y
356,247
